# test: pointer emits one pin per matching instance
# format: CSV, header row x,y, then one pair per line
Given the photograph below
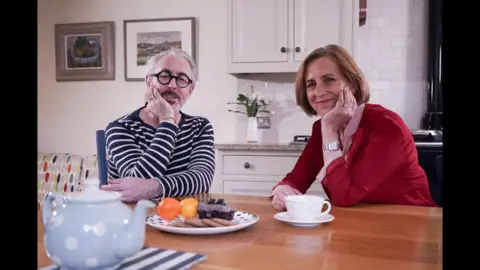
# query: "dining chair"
x,y
101,157
89,168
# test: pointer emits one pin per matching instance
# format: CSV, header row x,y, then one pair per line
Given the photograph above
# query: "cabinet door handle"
x,y
246,165
283,49
297,49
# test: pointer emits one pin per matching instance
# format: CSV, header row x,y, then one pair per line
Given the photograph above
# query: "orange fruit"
x,y
189,207
169,208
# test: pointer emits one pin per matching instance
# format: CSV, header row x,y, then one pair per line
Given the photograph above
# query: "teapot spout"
x,y
131,237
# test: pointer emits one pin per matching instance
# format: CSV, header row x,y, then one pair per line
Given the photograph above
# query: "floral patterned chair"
x,y
89,168
58,173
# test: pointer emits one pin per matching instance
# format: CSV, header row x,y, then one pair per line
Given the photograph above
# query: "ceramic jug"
x,y
92,229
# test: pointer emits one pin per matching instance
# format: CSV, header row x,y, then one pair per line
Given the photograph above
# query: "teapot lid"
x,y
92,193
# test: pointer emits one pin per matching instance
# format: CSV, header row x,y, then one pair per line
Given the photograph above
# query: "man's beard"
x,y
167,94
171,97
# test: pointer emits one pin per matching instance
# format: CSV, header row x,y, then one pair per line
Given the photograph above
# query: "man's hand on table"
x,y
134,189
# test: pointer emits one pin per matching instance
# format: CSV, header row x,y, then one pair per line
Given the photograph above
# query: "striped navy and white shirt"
x,y
181,157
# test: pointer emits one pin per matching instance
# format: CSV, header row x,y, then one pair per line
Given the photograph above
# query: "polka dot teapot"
x,y
92,229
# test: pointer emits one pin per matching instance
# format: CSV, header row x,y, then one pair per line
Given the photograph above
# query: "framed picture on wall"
x,y
85,51
147,37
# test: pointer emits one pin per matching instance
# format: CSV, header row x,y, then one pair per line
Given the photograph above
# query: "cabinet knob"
x,y
283,49
297,49
246,165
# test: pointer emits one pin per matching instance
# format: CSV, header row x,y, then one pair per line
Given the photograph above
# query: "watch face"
x,y
332,146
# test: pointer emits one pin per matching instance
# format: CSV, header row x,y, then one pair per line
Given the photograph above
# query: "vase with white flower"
x,y
253,104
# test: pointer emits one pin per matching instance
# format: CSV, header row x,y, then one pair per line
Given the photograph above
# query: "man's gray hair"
x,y
151,63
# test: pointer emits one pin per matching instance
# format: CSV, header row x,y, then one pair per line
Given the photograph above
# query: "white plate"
x,y
284,217
240,219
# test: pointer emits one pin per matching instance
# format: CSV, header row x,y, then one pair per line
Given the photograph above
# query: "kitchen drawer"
x,y
258,165
261,188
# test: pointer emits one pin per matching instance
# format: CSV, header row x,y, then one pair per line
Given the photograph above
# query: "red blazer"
x,y
381,166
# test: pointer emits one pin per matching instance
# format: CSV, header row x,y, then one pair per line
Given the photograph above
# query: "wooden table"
x,y
362,237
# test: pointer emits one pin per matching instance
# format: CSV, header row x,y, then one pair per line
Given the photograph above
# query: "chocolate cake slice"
x,y
218,210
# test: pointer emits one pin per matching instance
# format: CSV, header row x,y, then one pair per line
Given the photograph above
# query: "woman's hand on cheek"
x,y
339,116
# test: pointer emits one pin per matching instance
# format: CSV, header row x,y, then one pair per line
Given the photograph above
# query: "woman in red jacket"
x,y
361,153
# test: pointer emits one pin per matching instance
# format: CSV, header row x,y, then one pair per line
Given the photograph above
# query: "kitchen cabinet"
x,y
254,172
271,36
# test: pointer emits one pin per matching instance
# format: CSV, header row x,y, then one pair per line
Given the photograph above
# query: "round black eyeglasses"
x,y
164,77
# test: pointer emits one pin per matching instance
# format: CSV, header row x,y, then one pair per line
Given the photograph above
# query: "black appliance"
x,y
429,144
429,140
433,118
427,135
300,139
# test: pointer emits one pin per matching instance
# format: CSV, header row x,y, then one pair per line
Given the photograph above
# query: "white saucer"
x,y
284,217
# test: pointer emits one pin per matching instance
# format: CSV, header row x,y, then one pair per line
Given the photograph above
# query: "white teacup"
x,y
306,207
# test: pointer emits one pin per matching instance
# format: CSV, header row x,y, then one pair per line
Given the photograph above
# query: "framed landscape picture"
x,y
145,38
85,51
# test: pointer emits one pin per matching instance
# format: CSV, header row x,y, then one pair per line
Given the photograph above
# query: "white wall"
x,y
393,54
391,51
70,112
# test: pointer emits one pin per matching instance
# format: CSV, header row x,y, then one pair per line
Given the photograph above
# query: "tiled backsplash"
x,y
391,50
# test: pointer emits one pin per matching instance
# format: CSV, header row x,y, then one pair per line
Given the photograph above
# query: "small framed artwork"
x,y
145,38
264,122
85,51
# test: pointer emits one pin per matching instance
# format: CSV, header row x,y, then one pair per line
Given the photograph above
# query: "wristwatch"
x,y
331,146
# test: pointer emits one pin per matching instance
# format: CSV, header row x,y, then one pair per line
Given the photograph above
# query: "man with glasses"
x,y
157,150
